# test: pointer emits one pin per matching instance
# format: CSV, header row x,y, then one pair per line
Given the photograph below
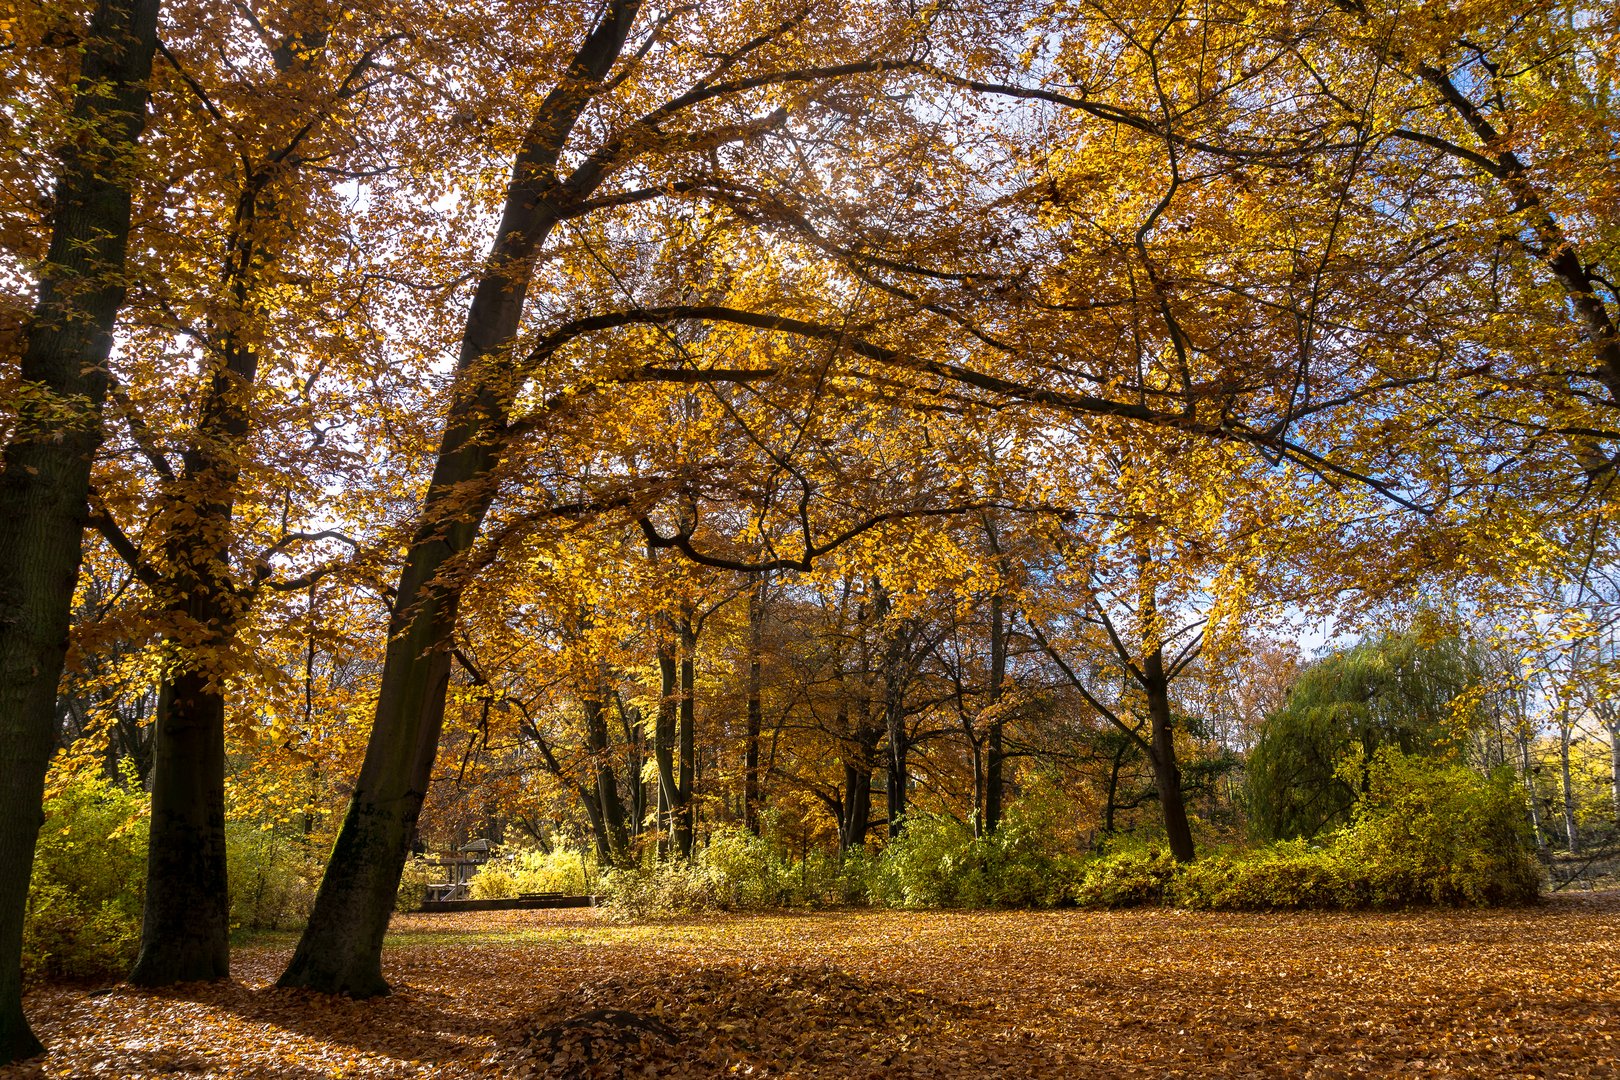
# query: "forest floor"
x,y
1525,992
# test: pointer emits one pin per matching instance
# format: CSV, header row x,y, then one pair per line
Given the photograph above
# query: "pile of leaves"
x,y
749,1020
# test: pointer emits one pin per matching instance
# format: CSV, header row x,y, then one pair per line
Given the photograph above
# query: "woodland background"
x,y
751,454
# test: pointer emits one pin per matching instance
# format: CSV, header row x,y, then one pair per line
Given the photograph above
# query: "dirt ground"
x,y
1530,992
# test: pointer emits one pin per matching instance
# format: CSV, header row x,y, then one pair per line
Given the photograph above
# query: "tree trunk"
x,y
857,808
185,933
1166,773
994,757
606,784
664,742
756,633
185,930
685,820
1572,836
45,471
340,951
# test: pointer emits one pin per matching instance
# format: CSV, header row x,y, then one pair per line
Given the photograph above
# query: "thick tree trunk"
x,y
994,757
1166,773
45,473
857,808
185,932
341,948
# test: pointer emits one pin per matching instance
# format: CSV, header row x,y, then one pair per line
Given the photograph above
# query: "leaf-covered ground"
x,y
854,994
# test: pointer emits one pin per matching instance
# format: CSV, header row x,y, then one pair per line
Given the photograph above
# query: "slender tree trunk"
x,y
1527,768
994,757
1166,773
340,951
1614,768
756,633
1571,835
45,470
606,784
685,820
664,741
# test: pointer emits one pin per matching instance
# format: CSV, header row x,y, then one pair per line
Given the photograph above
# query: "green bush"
x,y
560,870
88,883
927,865
493,881
665,889
1289,874
938,862
414,882
1432,833
1424,832
1127,877
272,876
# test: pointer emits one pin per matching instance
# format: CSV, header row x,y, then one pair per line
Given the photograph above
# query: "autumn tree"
x,y
61,384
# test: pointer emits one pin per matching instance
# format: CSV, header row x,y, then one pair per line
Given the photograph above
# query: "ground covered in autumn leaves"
x,y
859,993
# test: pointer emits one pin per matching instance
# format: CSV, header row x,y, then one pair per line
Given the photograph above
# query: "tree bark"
x,y
45,469
340,951
755,721
606,784
1166,772
994,755
664,740
685,817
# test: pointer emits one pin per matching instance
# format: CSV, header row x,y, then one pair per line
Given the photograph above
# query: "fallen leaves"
x,y
552,994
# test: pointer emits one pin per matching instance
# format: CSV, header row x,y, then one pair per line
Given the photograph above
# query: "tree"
x,y
45,477
1400,690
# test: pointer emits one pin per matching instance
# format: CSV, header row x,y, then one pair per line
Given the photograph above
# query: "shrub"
x,y
1442,834
1289,874
1128,877
560,870
272,876
665,889
88,883
1424,832
927,865
493,881
414,882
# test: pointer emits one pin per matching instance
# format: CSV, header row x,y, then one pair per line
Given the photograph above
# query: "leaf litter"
x,y
555,994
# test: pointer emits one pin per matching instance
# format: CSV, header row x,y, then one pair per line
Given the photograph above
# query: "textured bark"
x,y
664,741
45,474
340,951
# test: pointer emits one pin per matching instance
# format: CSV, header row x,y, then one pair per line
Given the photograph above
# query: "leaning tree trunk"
x,y
340,951
45,470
